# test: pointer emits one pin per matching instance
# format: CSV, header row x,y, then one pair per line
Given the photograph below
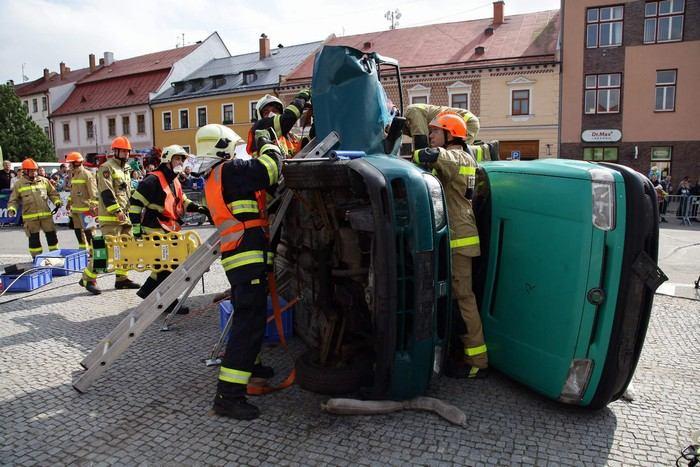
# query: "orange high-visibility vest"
x,y
173,206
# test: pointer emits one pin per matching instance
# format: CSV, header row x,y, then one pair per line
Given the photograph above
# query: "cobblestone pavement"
x,y
153,405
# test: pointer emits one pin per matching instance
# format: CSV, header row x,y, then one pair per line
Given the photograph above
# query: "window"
x,y
126,127
112,127
419,100
253,112
26,106
227,113
600,154
249,77
141,124
66,132
602,93
665,90
44,104
420,94
201,116
34,106
46,130
167,121
184,118
90,129
521,102
460,101
604,27
663,21
661,153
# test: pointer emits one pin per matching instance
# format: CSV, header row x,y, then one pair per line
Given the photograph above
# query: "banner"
x,y
4,218
61,216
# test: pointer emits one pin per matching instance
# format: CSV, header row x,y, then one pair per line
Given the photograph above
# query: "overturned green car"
x,y
565,282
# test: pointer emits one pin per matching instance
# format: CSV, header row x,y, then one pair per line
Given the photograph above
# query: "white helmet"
x,y
267,99
216,140
170,151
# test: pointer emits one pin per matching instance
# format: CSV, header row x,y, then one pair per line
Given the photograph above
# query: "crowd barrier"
x,y
679,209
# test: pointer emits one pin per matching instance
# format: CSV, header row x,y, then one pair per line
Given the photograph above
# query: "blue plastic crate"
x,y
27,282
271,334
75,260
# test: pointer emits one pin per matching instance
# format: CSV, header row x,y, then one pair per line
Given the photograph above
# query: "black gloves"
x,y
263,137
203,210
426,155
304,94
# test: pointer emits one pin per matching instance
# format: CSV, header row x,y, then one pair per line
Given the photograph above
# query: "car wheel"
x,y
332,380
316,175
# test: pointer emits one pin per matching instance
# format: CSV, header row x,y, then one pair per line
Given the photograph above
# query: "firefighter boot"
x,y
125,283
230,401
462,370
90,286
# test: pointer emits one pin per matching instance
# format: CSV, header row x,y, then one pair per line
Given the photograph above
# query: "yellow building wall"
x,y
214,105
497,121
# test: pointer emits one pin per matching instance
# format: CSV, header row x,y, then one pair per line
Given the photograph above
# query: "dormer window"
x,y
178,87
249,77
217,81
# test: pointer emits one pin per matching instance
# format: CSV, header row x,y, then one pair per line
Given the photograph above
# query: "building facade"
x,y
113,100
223,91
504,69
629,84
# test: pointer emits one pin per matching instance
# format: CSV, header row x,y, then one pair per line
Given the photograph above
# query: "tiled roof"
x,y
41,85
229,73
143,63
520,38
113,93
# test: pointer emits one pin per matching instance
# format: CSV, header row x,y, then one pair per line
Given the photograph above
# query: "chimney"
x,y
102,61
92,62
63,70
498,12
46,74
264,46
488,31
109,58
479,50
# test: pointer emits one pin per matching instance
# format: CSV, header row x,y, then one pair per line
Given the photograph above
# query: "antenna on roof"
x,y
394,17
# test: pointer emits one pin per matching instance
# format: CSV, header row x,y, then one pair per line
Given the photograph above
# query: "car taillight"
x,y
577,381
603,193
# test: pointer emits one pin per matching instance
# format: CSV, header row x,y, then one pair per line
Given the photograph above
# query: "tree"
x,y
20,136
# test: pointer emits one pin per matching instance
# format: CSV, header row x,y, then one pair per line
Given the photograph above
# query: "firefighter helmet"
x,y
172,150
29,164
121,142
74,157
216,140
451,123
266,100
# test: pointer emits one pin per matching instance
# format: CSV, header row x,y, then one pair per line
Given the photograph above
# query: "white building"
x,y
113,100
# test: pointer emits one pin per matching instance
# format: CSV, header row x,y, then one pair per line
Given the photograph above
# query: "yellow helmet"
x,y
216,140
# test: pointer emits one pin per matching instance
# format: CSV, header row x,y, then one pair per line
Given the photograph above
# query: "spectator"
x,y
136,177
185,178
667,185
55,180
684,192
41,172
15,177
6,175
63,173
695,202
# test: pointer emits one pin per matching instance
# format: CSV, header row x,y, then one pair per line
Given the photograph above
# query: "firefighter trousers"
x,y
474,346
89,273
33,228
249,301
83,234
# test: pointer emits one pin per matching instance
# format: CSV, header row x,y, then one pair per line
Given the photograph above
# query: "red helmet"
x,y
121,142
29,164
74,157
452,123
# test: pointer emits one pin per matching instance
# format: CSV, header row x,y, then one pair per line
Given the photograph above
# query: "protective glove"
x,y
425,155
11,212
136,231
304,94
203,210
121,217
263,137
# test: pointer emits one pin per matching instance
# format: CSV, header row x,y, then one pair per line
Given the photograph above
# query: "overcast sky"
x,y
42,33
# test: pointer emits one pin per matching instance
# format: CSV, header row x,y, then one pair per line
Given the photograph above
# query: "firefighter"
x,y
419,115
33,192
157,206
113,209
235,194
83,199
456,170
271,113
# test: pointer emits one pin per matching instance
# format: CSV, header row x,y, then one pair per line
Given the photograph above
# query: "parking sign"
x,y
515,155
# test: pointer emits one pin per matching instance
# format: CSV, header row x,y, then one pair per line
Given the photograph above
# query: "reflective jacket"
x,y
235,193
456,170
33,197
114,186
83,191
420,115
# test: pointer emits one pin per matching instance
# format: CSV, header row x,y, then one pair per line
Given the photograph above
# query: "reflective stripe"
x,y
270,257
473,371
416,156
150,230
89,273
120,272
466,241
136,229
479,153
294,109
243,259
471,351
82,246
22,189
277,124
152,206
78,182
234,376
270,165
243,206
80,209
465,170
35,250
28,217
255,281
135,209
107,218
112,207
53,247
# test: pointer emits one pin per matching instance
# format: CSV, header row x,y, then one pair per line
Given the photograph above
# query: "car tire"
x,y
313,377
314,175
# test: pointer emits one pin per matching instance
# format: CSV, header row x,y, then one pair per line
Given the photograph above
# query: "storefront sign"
x,y
601,136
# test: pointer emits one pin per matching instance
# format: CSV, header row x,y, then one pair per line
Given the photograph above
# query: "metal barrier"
x,y
194,218
679,208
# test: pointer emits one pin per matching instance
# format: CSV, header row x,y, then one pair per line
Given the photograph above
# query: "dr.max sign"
x,y
601,136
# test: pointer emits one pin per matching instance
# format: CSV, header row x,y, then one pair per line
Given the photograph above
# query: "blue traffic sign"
x,y
515,155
